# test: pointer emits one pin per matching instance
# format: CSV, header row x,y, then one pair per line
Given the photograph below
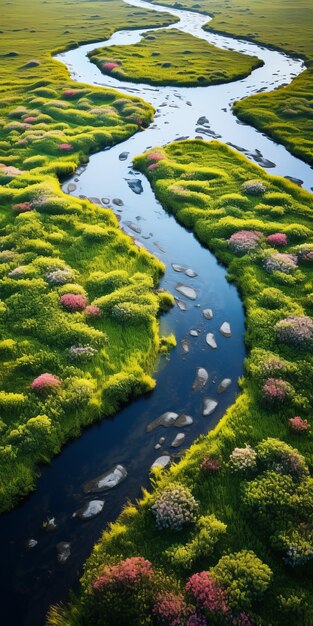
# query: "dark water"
x,y
33,579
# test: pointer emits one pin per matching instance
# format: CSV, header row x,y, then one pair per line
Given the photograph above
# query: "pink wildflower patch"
x,y
152,166
127,573
197,620
207,593
298,425
30,119
69,93
170,609
277,239
276,390
108,67
155,156
66,147
9,170
73,301
45,382
244,241
92,311
295,331
210,464
22,207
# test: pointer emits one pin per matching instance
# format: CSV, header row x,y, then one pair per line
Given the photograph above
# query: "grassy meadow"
x,y
225,536
66,358
286,113
171,57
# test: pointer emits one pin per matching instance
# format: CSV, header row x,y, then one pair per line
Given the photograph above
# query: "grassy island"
x,y
171,57
225,536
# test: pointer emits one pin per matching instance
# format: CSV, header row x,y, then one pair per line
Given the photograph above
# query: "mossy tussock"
x,y
171,57
249,478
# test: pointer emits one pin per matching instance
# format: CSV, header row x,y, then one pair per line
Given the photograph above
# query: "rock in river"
x,y
190,273
207,313
188,292
31,543
166,419
225,329
123,156
181,305
118,202
210,339
135,185
224,384
162,461
209,405
183,420
194,333
178,268
178,440
64,551
110,479
89,510
185,346
201,379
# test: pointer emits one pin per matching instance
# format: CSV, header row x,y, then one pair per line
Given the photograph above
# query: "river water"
x,y
31,579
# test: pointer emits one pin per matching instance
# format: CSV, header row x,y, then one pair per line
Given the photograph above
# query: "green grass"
x,y
170,57
202,185
48,126
283,25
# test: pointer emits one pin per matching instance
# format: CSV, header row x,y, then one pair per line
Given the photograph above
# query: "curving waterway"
x,y
31,579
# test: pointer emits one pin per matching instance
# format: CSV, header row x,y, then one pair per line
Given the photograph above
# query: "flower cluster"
x,y
81,352
175,507
108,67
296,331
6,256
45,382
298,425
152,167
278,262
272,365
59,276
155,156
244,241
170,609
92,311
276,390
9,170
69,93
298,544
127,574
30,119
277,239
254,187
210,464
197,619
22,207
73,301
18,272
243,458
66,147
207,593
243,619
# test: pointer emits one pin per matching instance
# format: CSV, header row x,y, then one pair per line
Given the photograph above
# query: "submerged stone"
x,y
89,510
191,273
188,292
64,551
181,304
71,187
161,461
118,202
194,333
225,329
210,339
105,201
202,120
185,346
31,543
183,420
134,227
108,480
224,384
135,186
166,419
207,313
178,440
123,156
178,268
209,406
201,379
50,524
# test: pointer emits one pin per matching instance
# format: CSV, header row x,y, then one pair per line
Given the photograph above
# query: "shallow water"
x,y
32,579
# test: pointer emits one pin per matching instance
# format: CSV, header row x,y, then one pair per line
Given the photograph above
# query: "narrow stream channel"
x,y
31,579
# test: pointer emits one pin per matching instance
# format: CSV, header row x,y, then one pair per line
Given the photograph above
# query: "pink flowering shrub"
x,y
277,239
175,507
22,207
244,241
278,262
126,574
9,170
30,119
92,311
197,619
254,187
276,455
108,67
210,464
155,156
295,331
243,619
73,301
276,390
66,147
170,609
45,383
152,167
69,93
243,459
207,593
298,425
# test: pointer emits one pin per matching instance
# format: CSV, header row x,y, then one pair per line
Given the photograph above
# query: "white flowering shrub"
x,y
243,459
175,507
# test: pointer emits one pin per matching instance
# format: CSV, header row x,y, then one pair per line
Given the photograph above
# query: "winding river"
x,y
31,579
